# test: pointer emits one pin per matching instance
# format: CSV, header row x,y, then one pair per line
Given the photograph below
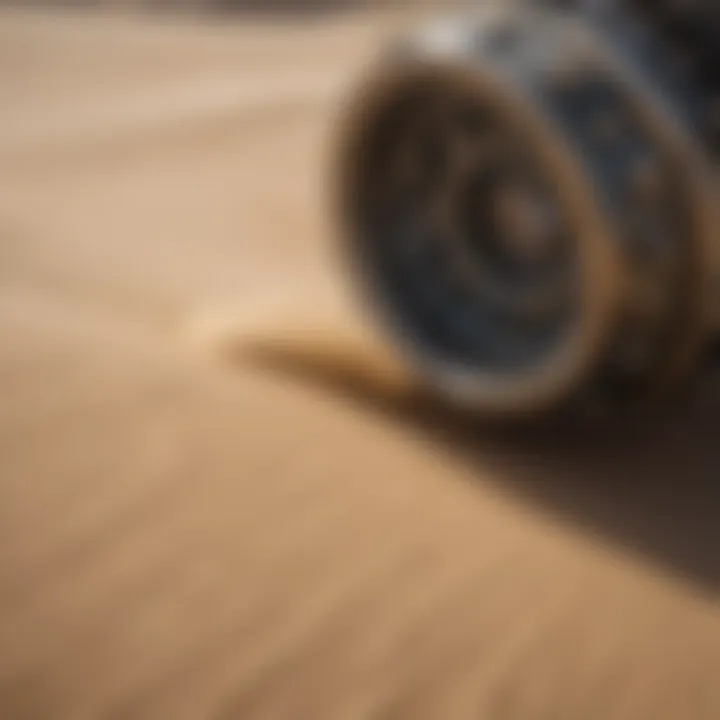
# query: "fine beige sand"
x,y
220,499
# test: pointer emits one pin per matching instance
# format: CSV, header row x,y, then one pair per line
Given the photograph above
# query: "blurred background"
x,y
219,498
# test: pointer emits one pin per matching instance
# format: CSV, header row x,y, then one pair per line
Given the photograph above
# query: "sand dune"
x,y
220,499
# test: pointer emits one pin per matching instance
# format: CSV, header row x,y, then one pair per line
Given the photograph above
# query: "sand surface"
x,y
219,499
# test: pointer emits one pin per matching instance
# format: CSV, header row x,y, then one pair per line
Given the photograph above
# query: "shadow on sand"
x,y
652,488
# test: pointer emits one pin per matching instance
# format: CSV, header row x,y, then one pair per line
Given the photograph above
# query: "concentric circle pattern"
x,y
528,198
